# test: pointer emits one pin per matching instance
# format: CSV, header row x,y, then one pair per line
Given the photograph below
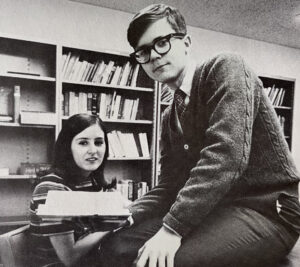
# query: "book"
x,y
142,189
89,103
6,101
106,72
17,96
88,71
34,168
66,103
82,71
116,143
112,105
69,69
97,76
127,108
75,69
102,106
135,109
116,76
130,74
116,107
92,73
82,102
121,108
131,189
111,74
106,205
95,107
133,146
108,104
125,73
281,98
124,144
144,144
4,171
135,75
39,118
6,118
66,60
126,187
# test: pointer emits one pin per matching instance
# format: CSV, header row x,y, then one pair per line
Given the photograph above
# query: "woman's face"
x,y
88,149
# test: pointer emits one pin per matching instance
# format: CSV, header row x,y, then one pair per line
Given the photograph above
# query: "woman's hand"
x,y
159,250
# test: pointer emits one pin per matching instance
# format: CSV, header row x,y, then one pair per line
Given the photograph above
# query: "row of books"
x,y
100,72
132,190
10,103
106,105
34,168
26,168
276,95
128,145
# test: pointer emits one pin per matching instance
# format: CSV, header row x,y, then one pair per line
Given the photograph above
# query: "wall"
x,y
75,24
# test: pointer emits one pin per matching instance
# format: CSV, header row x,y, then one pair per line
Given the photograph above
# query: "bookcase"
x,y
117,89
27,89
41,85
280,90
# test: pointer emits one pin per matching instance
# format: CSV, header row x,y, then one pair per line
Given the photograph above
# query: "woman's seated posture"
x,y
81,151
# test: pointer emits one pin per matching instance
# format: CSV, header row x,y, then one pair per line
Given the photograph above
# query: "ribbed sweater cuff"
x,y
137,215
180,228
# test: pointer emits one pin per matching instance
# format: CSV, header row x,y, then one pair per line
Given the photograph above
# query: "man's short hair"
x,y
143,19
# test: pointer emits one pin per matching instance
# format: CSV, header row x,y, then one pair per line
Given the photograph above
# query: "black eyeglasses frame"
x,y
148,48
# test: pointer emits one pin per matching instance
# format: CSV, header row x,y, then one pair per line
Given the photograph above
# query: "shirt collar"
x,y
187,81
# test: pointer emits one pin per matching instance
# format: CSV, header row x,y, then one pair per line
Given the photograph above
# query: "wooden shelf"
x,y
121,121
282,107
17,177
118,87
126,158
14,220
129,121
28,77
16,124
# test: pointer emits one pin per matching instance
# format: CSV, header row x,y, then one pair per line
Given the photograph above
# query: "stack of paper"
x,y
63,205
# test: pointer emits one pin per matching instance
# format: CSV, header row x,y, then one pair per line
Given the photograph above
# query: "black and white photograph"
x,y
149,133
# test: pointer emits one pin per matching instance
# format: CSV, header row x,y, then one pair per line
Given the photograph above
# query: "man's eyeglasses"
x,y
161,46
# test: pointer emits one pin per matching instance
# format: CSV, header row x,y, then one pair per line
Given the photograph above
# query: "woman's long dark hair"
x,y
64,164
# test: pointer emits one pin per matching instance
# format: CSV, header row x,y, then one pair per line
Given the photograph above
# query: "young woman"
x,y
81,151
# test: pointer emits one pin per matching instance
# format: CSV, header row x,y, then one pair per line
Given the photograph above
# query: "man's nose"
x,y
154,54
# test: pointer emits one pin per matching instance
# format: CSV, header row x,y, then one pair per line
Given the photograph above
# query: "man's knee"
x,y
114,246
117,251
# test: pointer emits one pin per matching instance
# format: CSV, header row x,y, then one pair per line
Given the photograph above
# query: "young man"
x,y
224,161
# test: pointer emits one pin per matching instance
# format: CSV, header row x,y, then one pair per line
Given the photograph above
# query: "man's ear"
x,y
187,41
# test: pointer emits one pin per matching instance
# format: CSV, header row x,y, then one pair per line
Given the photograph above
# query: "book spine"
x,y
89,103
94,104
130,190
17,98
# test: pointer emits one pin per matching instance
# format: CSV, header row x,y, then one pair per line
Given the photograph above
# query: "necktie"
x,y
179,97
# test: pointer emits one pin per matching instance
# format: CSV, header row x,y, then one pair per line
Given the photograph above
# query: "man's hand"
x,y
159,250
